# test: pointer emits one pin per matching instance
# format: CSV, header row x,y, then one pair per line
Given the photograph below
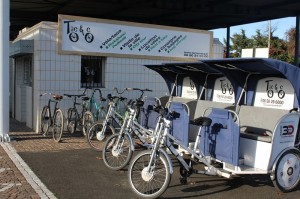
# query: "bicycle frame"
x,y
50,100
112,115
99,107
131,126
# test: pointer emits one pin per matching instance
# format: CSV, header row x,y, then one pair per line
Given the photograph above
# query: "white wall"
x,y
28,94
218,49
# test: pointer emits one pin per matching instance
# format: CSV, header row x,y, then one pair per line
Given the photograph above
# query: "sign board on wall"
x,y
189,89
223,91
81,35
274,92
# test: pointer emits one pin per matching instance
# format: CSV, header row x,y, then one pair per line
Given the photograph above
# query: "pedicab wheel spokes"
x,y
87,122
287,171
149,183
45,120
117,151
72,120
96,137
58,125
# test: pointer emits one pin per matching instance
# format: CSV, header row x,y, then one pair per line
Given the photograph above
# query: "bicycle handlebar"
x,y
69,95
100,94
55,96
138,89
45,94
110,97
165,112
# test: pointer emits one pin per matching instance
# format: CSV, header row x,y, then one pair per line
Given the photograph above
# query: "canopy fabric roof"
x,y
204,14
236,70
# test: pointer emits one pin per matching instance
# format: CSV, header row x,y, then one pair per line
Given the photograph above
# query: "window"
x,y
92,72
27,71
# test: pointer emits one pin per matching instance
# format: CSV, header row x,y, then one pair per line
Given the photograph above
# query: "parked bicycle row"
x,y
87,112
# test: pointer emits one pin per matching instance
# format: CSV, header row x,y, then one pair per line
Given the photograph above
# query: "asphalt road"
x,y
81,174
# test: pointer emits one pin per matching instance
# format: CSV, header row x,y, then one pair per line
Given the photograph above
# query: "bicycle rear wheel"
x,y
117,151
149,183
58,125
45,120
87,122
96,136
72,119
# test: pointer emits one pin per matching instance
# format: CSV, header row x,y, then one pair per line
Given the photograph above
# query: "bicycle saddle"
x,y
57,97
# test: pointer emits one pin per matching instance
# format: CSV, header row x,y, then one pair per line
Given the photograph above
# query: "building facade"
x,y
38,67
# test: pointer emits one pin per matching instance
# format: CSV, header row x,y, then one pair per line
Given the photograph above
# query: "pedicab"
x,y
259,136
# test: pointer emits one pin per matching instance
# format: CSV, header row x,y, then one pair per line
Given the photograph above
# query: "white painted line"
x,y
4,169
29,175
6,186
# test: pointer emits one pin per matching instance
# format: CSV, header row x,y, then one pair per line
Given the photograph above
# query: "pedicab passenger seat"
x,y
258,123
180,126
148,117
221,140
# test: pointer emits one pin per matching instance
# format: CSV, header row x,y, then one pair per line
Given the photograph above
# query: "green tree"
x,y
260,40
239,42
291,38
279,50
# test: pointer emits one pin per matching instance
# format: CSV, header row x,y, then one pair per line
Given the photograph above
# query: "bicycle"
x,y
118,148
76,118
101,129
97,110
150,171
55,119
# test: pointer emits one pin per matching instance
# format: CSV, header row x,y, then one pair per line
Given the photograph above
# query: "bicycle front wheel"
x,y
87,122
45,120
96,135
58,125
117,151
72,119
152,182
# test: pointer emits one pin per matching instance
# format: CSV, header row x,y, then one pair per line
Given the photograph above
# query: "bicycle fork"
x,y
118,146
157,151
101,134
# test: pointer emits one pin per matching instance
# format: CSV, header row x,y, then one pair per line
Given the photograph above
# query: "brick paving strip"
x,y
26,191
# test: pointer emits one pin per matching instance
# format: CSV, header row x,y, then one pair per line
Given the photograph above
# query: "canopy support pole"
x,y
228,43
297,41
4,71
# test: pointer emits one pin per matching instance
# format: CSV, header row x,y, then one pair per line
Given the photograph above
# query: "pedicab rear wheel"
x,y
287,171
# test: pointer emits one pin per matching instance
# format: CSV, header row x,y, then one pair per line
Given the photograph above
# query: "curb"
x,y
29,175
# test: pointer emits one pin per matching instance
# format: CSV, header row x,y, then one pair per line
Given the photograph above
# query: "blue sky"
x,y
282,25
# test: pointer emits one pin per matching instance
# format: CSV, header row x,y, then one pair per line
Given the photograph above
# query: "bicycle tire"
x,y
117,151
145,184
58,125
72,118
91,136
45,120
87,122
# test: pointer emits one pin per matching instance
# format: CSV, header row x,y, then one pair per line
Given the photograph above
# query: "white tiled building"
x,y
38,68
